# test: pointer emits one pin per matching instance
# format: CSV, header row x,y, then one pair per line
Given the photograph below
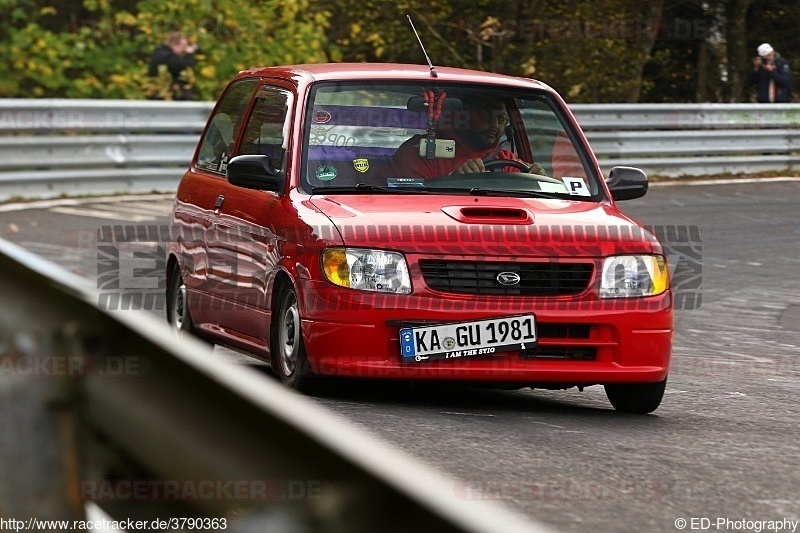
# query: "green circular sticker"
x,y
326,172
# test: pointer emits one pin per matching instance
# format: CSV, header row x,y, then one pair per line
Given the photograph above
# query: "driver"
x,y
476,131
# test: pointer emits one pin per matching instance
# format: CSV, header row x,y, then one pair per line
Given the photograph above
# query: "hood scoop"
x,y
489,214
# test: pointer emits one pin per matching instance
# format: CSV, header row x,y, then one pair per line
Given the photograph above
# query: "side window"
x,y
266,132
217,143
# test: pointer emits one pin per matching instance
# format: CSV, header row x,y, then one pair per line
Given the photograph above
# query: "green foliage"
x,y
590,51
100,49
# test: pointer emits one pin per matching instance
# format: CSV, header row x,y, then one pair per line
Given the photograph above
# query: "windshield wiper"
x,y
516,192
477,191
474,191
366,187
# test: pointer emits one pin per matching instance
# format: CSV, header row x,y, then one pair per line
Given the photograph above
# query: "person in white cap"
x,y
772,76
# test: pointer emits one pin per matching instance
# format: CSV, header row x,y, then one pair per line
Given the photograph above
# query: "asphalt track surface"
x,y
723,444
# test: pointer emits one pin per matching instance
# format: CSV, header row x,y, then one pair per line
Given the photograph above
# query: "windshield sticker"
x,y
361,164
326,172
321,117
405,182
546,186
577,186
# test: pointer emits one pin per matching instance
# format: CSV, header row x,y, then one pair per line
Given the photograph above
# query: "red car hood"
x,y
494,226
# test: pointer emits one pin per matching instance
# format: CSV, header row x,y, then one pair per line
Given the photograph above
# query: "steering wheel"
x,y
495,164
525,169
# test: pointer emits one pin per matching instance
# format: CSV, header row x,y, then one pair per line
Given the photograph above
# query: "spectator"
x,y
772,76
171,69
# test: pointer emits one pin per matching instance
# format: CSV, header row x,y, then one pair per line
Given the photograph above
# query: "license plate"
x,y
467,339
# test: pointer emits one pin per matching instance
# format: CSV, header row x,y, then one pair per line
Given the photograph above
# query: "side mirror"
x,y
627,183
255,172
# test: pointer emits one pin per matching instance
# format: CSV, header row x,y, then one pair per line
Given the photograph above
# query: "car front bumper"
x,y
580,341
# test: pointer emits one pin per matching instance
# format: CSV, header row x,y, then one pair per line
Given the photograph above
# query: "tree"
x,y
736,33
574,45
100,48
603,51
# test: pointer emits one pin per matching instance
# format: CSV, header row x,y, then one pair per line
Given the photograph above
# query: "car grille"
x,y
545,278
576,353
560,332
563,331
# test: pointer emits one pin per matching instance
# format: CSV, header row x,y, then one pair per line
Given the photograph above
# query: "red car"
x,y
391,221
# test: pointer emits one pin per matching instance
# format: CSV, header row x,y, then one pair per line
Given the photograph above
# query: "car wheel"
x,y
639,398
178,314
289,361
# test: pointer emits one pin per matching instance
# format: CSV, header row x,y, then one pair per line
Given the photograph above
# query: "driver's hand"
x,y
537,169
470,166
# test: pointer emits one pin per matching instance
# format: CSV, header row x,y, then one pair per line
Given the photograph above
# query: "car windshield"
x,y
408,138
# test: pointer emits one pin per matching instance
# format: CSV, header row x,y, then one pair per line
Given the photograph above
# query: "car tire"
x,y
178,315
289,360
638,398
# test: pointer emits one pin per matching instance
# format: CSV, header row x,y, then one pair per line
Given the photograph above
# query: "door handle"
x,y
217,208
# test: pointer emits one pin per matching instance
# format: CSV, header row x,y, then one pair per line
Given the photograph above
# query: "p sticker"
x,y
576,186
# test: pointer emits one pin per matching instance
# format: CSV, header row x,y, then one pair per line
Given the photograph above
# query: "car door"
x,y
250,218
197,201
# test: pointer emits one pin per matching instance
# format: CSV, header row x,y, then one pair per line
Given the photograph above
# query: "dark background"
x,y
598,51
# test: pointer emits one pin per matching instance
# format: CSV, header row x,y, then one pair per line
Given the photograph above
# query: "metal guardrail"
x,y
50,147
113,409
598,117
57,146
677,140
64,114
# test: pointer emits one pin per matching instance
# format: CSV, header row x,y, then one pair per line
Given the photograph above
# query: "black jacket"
x,y
780,78
179,68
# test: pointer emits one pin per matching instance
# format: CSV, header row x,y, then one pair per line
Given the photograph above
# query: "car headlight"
x,y
367,270
630,276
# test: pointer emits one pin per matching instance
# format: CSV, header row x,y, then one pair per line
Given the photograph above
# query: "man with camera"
x,y
772,75
170,69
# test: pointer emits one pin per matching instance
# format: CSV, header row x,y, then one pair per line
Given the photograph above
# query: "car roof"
x,y
386,71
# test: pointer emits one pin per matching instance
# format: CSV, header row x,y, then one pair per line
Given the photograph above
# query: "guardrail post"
x,y
39,464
